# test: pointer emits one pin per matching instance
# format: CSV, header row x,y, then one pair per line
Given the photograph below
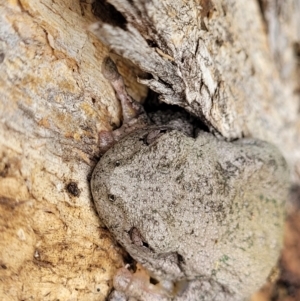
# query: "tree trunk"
x,y
234,64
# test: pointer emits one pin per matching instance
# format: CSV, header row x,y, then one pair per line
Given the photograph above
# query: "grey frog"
x,y
202,215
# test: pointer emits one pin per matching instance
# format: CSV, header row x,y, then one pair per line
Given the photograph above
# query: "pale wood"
x,y
54,101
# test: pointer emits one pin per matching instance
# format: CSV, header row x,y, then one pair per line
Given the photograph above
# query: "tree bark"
x,y
234,64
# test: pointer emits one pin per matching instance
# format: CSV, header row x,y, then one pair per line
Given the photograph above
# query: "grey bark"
x,y
214,59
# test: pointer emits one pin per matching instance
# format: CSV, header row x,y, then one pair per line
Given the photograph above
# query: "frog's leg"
x,y
133,112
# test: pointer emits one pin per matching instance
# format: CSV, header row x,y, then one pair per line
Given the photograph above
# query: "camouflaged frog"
x,y
204,217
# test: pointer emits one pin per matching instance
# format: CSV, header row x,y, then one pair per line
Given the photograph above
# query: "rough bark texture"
x,y
226,64
213,59
54,100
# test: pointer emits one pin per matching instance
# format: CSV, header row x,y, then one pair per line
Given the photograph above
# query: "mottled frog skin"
x,y
195,210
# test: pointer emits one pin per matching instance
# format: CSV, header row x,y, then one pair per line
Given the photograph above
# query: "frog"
x,y
201,216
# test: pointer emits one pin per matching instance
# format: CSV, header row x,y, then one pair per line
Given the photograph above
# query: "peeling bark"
x,y
213,59
220,60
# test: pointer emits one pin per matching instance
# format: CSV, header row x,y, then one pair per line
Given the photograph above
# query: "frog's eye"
x,y
117,163
111,198
150,137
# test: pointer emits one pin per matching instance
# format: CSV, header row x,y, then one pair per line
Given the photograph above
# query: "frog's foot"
x,y
106,140
139,286
134,116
